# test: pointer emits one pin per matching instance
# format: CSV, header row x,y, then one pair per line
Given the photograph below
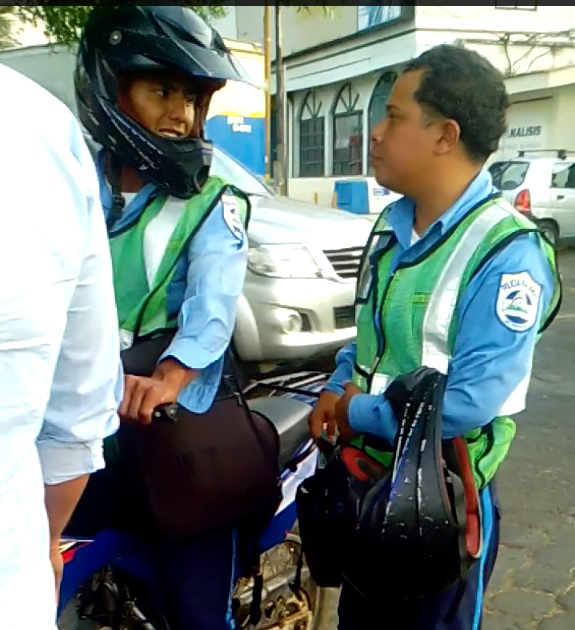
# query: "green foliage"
x,y
64,24
7,38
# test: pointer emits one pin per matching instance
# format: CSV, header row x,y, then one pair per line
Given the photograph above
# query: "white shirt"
x,y
60,377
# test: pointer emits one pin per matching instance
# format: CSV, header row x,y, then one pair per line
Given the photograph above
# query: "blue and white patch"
x,y
232,215
518,301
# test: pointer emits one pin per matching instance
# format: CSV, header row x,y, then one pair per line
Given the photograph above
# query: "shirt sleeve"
x,y
215,279
343,372
491,366
87,386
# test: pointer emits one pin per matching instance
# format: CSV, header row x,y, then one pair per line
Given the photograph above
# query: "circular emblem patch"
x,y
518,301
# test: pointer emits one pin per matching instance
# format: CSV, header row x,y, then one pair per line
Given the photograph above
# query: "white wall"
x,y
488,18
516,41
301,29
538,118
530,125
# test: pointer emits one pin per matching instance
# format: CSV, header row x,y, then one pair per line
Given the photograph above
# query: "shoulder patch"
x,y
232,217
518,301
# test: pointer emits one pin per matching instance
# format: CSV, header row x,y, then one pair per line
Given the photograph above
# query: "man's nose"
x,y
377,132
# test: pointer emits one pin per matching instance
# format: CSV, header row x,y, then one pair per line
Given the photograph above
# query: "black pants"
x,y
355,614
195,576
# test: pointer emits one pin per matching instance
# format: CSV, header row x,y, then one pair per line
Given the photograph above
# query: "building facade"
x,y
339,70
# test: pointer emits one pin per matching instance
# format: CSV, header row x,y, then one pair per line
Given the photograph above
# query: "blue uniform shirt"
x,y
205,289
489,360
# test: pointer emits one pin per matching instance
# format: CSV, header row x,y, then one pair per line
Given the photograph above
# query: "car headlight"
x,y
283,261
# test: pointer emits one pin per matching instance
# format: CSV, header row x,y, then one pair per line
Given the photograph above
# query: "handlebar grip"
x,y
167,413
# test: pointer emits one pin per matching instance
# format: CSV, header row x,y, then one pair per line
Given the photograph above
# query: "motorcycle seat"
x,y
289,416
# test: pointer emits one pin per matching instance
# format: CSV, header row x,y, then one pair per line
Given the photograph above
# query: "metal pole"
x,y
282,173
268,87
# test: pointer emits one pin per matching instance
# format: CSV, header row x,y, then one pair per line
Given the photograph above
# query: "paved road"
x,y
533,587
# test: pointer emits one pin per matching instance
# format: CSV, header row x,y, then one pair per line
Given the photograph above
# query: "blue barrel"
x,y
352,195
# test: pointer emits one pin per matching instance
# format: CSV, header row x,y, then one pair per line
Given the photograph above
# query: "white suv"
x,y
541,184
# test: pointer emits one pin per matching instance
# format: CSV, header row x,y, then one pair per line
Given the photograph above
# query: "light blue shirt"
x,y
60,379
489,359
208,281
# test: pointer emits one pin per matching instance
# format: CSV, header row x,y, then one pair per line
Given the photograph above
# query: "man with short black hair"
x,y
464,284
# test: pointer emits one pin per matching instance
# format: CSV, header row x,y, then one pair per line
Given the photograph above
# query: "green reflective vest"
x,y
145,254
417,308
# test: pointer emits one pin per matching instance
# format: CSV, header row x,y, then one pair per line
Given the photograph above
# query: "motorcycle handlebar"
x,y
165,413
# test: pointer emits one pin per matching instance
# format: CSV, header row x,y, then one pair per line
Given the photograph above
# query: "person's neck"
x,y
439,198
132,181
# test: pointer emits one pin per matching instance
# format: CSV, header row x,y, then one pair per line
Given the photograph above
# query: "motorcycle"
x,y
108,581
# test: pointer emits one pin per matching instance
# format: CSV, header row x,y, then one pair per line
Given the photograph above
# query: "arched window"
x,y
311,137
347,133
379,98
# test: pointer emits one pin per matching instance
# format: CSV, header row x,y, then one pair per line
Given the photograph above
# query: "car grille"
x,y
345,261
344,317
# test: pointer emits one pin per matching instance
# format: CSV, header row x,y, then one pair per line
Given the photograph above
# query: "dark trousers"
x,y
195,577
197,580
355,613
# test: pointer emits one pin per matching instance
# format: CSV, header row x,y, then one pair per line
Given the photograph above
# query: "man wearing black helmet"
x,y
144,80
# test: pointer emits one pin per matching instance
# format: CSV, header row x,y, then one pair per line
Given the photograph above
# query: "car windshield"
x,y
227,168
508,175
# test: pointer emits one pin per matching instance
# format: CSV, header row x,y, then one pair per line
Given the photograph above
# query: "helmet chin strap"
x,y
114,176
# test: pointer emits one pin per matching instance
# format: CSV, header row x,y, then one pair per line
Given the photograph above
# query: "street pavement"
x,y
533,587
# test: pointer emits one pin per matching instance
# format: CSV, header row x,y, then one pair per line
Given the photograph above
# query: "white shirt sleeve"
x,y
60,375
87,386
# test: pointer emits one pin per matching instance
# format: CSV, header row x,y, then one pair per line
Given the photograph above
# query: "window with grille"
x,y
347,133
378,101
311,138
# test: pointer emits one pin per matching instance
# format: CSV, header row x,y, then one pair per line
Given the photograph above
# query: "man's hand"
x,y
143,394
57,565
323,415
341,412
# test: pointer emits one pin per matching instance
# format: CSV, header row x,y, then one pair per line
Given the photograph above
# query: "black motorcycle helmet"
x,y
123,39
408,528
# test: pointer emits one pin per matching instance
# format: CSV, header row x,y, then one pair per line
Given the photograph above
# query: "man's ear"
x,y
448,137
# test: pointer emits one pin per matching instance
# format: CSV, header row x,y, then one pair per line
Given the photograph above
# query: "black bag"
x,y
201,471
329,509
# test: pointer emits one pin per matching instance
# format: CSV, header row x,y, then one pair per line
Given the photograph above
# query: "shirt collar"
x,y
401,215
132,209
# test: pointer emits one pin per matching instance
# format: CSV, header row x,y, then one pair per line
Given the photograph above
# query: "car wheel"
x,y
550,230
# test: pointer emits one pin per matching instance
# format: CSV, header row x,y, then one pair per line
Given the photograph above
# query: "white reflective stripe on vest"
x,y
157,235
442,304
126,339
441,307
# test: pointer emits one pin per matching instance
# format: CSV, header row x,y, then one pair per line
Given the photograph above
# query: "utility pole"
x,y
281,166
268,81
